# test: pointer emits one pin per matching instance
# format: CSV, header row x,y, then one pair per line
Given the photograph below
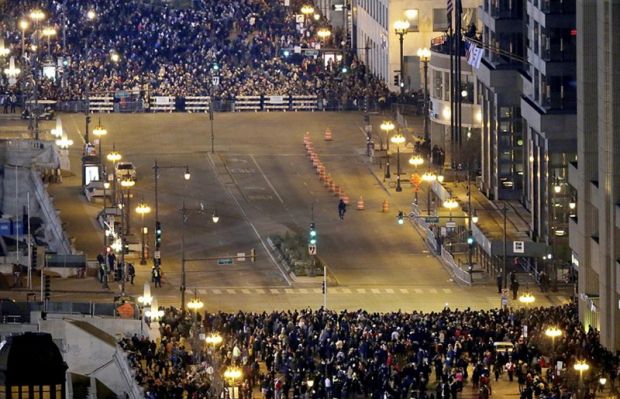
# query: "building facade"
x,y
500,88
548,107
594,232
376,42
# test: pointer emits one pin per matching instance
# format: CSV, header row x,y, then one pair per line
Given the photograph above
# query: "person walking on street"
x,y
131,273
13,102
156,274
342,208
514,287
499,283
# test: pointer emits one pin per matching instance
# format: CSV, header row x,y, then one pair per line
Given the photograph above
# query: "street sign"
x,y
451,225
156,255
312,249
241,256
518,247
431,219
225,261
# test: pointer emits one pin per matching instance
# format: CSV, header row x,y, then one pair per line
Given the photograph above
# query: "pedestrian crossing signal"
x,y
158,233
401,217
312,235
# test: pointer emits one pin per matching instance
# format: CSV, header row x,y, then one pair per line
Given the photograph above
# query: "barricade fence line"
x,y
264,103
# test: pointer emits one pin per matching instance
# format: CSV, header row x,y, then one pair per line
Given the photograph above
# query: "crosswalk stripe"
x,y
245,291
417,290
202,292
217,292
404,291
361,290
230,291
433,291
303,291
260,291
447,290
288,291
375,291
317,290
389,290
274,291
346,290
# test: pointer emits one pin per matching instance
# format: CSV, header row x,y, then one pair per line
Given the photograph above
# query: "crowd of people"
x,y
219,48
352,354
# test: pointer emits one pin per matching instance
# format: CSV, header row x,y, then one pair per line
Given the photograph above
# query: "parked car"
x,y
47,113
125,170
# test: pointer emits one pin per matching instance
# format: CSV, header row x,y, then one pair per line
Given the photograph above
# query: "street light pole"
x,y
505,257
401,28
184,216
425,56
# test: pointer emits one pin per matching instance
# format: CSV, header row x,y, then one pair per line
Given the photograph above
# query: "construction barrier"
x,y
197,103
248,103
328,135
360,204
162,104
101,104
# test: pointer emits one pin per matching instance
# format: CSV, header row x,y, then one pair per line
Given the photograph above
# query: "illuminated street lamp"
x,y
450,204
398,139
4,51
581,366
387,127
64,142
425,57
154,313
143,209
527,298
100,131
57,131
91,15
306,10
214,340
115,57
553,333
23,26
12,71
48,32
37,15
232,375
324,33
416,160
401,28
429,178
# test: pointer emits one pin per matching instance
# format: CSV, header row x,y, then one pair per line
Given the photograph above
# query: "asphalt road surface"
x,y
260,182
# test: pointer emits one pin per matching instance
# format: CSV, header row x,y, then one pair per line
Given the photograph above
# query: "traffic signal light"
x,y
87,119
401,217
470,241
396,80
312,238
323,286
47,292
157,234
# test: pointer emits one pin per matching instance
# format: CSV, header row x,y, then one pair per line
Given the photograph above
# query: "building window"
x,y
440,19
438,84
413,16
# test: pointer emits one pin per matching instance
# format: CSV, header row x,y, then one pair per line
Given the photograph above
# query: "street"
x,y
261,182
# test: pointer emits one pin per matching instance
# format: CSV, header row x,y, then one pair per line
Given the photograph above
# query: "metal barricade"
x,y
303,103
247,103
197,103
162,104
101,104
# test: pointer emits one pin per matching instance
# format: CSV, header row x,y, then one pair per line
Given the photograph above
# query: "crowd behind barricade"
x,y
352,354
218,48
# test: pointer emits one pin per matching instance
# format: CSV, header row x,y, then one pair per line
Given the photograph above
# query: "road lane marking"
x,y
433,291
346,291
266,179
274,291
317,290
361,290
289,291
202,292
303,291
404,291
447,290
230,291
217,292
245,291
417,290
389,290
260,291
375,291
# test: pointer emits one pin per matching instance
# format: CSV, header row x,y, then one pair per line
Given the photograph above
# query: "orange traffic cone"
x,y
338,191
386,206
322,173
328,135
360,204
328,181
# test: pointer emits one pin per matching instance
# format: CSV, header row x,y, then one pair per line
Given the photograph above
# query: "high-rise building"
x,y
594,232
548,108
